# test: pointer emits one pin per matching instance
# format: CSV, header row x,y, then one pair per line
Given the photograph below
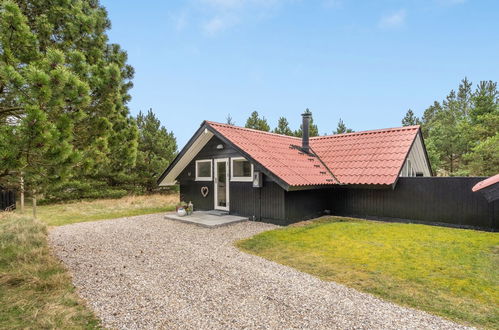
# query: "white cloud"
x,y
219,15
393,20
179,20
215,25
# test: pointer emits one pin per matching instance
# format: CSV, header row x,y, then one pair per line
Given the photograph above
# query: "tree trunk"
x,y
34,204
22,193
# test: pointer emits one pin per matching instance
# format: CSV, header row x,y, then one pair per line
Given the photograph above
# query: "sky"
x,y
366,62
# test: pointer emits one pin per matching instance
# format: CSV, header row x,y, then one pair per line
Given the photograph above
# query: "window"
x,y
242,170
203,170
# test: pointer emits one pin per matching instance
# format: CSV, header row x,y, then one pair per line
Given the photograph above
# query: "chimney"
x,y
305,130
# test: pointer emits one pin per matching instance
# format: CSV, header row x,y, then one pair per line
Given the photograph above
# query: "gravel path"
x,y
148,272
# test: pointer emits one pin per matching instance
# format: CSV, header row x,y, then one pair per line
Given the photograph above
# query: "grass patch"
x,y
35,290
102,209
449,272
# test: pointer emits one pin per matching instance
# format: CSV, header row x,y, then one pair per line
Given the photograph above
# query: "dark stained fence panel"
x,y
7,199
447,200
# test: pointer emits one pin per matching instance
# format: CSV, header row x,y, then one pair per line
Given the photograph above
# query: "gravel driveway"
x,y
148,272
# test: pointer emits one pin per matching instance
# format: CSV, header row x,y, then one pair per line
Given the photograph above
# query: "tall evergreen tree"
x,y
255,122
342,128
482,130
461,131
229,120
40,100
105,135
157,148
410,119
283,127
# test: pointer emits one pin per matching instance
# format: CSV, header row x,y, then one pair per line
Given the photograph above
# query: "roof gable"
x,y
369,157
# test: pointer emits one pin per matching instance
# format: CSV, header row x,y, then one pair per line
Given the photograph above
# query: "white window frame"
x,y
239,178
204,178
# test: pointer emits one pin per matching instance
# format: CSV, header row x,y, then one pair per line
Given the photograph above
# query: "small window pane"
x,y
204,169
241,168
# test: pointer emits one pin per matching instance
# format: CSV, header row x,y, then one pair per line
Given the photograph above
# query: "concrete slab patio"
x,y
207,218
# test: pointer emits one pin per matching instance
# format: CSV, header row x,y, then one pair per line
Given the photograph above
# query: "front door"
x,y
222,184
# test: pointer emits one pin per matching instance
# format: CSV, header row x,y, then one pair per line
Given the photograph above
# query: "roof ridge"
x,y
400,128
390,129
250,129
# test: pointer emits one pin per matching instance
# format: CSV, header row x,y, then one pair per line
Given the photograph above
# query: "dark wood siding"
x,y
423,199
420,199
306,204
271,202
260,204
190,189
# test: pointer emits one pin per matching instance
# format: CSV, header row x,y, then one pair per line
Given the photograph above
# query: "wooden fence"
x,y
7,200
437,200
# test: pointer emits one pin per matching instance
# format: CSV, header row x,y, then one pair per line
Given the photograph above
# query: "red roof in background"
x,y
370,157
485,183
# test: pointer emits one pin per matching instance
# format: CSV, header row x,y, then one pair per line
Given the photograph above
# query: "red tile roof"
x,y
486,183
370,157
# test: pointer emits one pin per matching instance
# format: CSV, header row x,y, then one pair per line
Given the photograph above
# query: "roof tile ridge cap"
x,y
250,129
282,163
380,130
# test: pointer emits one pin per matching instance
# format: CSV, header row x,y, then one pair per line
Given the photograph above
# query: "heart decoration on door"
x,y
204,191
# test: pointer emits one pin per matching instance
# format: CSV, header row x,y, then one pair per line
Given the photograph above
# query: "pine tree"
x,y
429,116
445,135
157,148
410,119
342,128
229,120
283,127
482,131
460,133
40,98
255,122
105,136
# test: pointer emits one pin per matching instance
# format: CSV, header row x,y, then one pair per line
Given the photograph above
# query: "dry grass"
x,y
450,272
101,209
35,289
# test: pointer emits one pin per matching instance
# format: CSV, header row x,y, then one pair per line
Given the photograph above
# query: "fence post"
x,y
22,193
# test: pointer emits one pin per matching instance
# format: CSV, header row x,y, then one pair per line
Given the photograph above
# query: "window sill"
x,y
237,179
203,179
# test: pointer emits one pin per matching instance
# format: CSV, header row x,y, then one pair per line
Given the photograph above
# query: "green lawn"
x,y
35,289
449,272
